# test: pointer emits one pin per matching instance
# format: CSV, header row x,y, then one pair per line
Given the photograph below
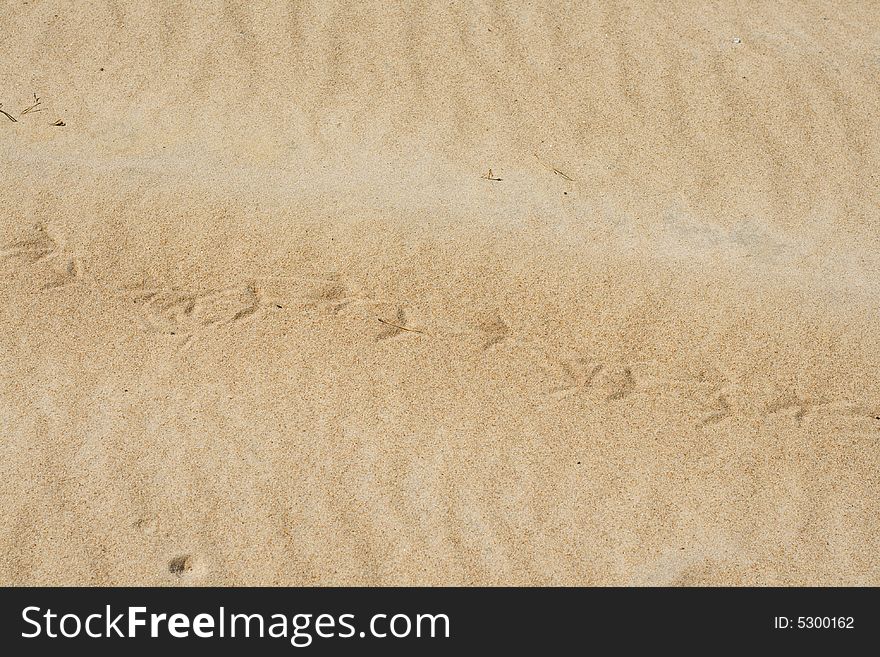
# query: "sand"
x,y
265,317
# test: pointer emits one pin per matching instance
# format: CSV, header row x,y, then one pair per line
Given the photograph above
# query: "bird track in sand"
x,y
187,315
38,254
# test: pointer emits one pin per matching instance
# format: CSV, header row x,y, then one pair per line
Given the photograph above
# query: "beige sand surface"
x,y
649,354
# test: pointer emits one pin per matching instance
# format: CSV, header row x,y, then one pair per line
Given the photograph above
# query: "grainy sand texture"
x,y
266,317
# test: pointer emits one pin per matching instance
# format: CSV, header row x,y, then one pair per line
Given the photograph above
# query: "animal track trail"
x,y
867,417
69,275
493,331
601,382
29,249
578,375
795,406
325,293
187,314
717,410
851,415
160,311
37,248
619,383
707,403
747,403
863,411
253,302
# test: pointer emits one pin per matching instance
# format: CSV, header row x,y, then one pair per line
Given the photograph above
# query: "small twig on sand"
x,y
59,123
489,176
554,169
33,108
402,328
559,173
8,115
